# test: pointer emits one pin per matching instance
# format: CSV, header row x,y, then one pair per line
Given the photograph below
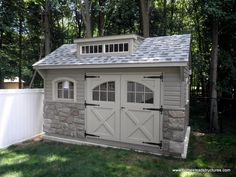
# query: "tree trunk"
x,y
198,26
145,9
40,46
214,124
21,18
203,85
1,38
1,81
85,10
164,17
78,20
101,23
47,28
172,15
1,74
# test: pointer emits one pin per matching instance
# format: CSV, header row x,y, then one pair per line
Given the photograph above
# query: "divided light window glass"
x,y
104,92
139,93
109,48
65,90
119,47
90,49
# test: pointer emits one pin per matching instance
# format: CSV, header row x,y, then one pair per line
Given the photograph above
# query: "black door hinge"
x,y
90,104
88,134
155,77
155,144
86,76
155,109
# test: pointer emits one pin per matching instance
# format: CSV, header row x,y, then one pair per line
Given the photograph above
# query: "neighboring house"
x,y
123,91
13,83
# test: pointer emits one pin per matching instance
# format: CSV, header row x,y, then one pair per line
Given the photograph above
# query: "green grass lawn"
x,y
206,151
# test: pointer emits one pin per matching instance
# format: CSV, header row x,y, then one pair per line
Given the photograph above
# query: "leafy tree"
x,y
219,13
30,29
7,45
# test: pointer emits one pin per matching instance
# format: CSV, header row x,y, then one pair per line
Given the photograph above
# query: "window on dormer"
x,y
115,48
105,48
90,49
126,47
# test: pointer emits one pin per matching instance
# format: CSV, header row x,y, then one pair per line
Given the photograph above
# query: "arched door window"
x,y
139,93
104,92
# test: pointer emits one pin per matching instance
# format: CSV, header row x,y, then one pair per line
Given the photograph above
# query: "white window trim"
x,y
55,89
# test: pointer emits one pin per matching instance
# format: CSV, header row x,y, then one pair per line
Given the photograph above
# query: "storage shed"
x,y
124,91
13,83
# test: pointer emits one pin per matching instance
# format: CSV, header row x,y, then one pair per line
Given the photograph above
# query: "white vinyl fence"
x,y
21,115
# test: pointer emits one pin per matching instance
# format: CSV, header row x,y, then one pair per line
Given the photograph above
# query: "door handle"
x,y
122,107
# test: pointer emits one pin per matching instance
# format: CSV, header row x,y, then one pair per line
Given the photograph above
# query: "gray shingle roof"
x,y
165,49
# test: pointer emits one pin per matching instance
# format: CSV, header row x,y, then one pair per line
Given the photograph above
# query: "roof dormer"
x,y
107,45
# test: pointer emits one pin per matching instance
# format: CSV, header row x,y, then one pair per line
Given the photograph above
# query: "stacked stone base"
x,y
63,118
174,129
68,119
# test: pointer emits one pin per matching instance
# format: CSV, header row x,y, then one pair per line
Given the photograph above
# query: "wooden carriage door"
x,y
103,107
140,109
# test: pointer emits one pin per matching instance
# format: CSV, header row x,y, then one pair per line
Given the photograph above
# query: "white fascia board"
x,y
136,65
35,64
107,38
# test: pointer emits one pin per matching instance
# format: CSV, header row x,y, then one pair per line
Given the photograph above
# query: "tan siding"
x,y
171,84
170,71
75,74
172,89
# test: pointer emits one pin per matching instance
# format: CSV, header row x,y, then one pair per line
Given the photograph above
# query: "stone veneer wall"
x,y
64,118
68,119
174,127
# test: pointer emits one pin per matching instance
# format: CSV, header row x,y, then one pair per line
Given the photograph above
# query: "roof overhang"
x,y
108,38
116,65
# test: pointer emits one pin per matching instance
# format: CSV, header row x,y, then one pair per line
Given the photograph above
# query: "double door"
x,y
123,108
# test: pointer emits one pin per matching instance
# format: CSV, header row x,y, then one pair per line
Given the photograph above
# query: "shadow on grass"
x,y
55,159
206,151
209,150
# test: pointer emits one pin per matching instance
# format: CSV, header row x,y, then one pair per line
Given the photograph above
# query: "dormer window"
x,y
88,49
105,48
121,45
118,47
